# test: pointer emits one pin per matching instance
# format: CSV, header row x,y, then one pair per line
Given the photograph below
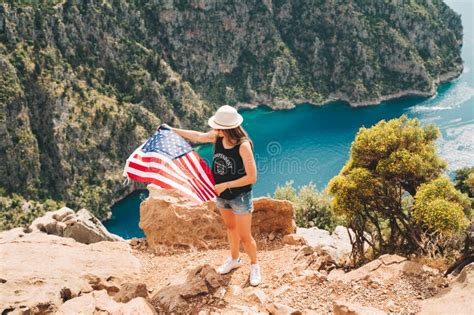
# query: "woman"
x,y
234,171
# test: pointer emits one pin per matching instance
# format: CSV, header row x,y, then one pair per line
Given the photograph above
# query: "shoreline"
x,y
283,104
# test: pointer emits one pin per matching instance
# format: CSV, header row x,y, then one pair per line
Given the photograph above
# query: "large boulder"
x,y
273,216
99,302
456,299
171,220
388,267
41,271
315,237
336,245
81,226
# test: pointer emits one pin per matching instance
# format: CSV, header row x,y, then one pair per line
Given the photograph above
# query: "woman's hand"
x,y
219,188
164,125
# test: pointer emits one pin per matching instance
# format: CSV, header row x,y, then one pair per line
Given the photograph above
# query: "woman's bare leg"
x,y
244,223
232,233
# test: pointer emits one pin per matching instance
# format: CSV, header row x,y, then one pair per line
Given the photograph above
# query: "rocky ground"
x,y
67,263
307,290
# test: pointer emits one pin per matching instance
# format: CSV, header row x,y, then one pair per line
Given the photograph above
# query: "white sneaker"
x,y
255,276
229,265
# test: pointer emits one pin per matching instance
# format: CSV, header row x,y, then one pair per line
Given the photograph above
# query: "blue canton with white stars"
x,y
168,143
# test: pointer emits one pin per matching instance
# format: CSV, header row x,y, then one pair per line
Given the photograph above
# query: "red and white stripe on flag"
x,y
188,174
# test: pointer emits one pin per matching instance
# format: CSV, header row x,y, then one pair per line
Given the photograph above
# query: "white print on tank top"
x,y
221,162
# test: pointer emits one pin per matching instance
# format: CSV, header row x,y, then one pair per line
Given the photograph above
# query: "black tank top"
x,y
227,165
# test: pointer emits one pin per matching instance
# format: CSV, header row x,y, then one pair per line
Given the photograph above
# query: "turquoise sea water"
x,y
126,216
311,143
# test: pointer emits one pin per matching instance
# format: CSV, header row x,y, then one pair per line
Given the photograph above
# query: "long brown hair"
x,y
237,135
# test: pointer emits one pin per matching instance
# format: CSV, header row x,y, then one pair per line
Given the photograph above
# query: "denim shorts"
x,y
241,204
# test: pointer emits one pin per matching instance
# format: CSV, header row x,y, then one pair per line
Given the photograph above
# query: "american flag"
x,y
168,161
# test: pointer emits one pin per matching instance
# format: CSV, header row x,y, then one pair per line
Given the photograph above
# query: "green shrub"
x,y
440,207
470,184
16,211
464,180
286,192
312,207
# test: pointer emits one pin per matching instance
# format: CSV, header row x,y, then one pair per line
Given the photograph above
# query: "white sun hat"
x,y
226,117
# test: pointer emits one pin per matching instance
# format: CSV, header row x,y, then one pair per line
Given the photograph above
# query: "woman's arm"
x,y
196,136
250,177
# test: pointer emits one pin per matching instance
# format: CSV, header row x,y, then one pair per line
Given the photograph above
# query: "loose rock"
x,y
346,308
81,226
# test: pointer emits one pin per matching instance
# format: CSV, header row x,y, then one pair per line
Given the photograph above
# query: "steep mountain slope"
x,y
83,82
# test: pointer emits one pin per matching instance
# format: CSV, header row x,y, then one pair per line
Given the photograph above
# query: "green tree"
x,y
440,207
389,163
464,182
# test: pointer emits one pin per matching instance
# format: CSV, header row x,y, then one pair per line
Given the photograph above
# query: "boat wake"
x,y
456,146
453,98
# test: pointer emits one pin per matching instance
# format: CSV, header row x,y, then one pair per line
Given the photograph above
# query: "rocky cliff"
x,y
83,82
67,263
